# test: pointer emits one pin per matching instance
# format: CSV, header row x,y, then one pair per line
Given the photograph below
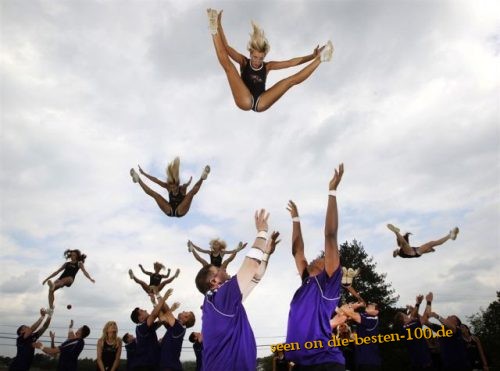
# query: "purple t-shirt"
x,y
420,355
228,340
171,346
25,352
147,349
309,319
68,357
367,354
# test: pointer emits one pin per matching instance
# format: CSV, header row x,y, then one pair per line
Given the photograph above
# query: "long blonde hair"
x,y
173,171
258,41
115,341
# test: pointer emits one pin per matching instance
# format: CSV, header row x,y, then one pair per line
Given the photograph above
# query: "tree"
x,y
486,326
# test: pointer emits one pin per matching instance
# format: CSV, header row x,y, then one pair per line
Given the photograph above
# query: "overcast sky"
x,y
89,89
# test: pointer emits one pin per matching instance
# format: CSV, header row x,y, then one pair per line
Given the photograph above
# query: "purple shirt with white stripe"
x,y
228,340
311,308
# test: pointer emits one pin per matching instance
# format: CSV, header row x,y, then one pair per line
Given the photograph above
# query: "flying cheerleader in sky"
x,y
179,200
70,269
406,251
216,252
157,281
249,86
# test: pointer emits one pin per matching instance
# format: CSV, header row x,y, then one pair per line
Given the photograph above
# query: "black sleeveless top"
x,y
175,199
108,355
254,79
155,279
216,260
70,270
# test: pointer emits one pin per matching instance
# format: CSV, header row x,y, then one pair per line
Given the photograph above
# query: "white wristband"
x,y
262,234
296,219
332,192
255,253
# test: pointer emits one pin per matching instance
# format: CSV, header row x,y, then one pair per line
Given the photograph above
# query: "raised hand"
x,y
429,296
292,208
261,218
336,177
273,241
419,299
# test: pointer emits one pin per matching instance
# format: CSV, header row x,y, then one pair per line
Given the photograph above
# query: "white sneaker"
x,y
205,173
134,175
212,20
393,228
351,273
454,233
190,247
131,274
49,311
327,52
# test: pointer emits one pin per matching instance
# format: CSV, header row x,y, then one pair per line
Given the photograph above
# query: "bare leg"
x,y
241,94
56,286
199,258
429,246
184,206
271,95
143,284
162,203
228,260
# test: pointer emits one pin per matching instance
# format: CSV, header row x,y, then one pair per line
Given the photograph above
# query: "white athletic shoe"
x,y
393,228
351,273
327,52
344,276
134,175
454,233
131,274
205,173
49,311
190,247
212,20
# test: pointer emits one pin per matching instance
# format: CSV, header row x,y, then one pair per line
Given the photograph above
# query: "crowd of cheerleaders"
x,y
226,341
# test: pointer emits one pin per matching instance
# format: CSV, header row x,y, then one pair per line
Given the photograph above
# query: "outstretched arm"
x,y
444,321
54,274
154,314
45,326
166,275
145,271
254,257
197,248
233,54
71,334
177,272
297,241
38,322
332,259
272,242
414,311
82,267
428,308
274,65
152,178
240,247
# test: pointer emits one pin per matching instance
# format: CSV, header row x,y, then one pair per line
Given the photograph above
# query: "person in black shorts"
x,y
27,337
249,87
404,249
216,252
179,200
155,279
109,348
69,269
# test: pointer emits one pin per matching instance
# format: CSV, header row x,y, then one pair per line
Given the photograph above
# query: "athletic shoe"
x,y
134,175
351,273
344,276
49,311
212,20
205,173
131,274
454,233
393,228
327,52
190,246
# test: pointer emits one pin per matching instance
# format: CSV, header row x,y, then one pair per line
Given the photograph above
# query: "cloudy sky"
x,y
89,89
